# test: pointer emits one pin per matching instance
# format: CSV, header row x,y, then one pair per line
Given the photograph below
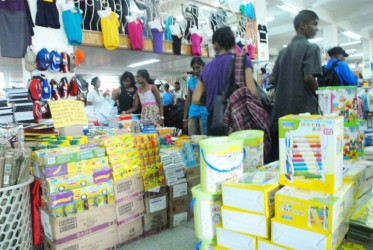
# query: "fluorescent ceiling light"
x,y
350,43
134,65
216,4
316,40
289,8
270,19
356,55
352,35
179,17
352,66
360,65
284,45
350,50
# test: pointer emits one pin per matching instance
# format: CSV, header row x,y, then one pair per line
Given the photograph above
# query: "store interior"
x,y
180,204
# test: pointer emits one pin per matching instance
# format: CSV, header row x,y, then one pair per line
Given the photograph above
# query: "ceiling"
x,y
352,15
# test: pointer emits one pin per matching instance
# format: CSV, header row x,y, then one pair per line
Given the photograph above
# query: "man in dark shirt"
x,y
293,74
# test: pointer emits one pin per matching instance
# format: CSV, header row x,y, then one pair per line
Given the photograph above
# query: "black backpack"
x,y
329,77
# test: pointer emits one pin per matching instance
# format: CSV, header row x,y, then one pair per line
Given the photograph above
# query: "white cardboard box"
x,y
235,241
245,222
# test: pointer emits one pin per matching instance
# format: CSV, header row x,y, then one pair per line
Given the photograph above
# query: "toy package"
x,y
286,234
233,240
311,152
254,192
314,211
341,100
351,141
268,245
356,175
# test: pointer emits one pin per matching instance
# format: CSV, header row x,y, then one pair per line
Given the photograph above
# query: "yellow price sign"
x,y
68,113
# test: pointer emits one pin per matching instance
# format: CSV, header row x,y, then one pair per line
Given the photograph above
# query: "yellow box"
x,y
294,237
357,176
254,192
68,182
245,222
93,191
233,240
263,244
314,211
311,152
346,245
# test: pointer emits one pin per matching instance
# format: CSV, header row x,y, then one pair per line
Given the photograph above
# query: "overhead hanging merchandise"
x,y
157,33
177,36
135,32
16,28
72,22
110,28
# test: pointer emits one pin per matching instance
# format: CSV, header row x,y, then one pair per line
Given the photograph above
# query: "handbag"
x,y
267,104
216,119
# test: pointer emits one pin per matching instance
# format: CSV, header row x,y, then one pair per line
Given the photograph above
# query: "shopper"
x,y
178,93
337,60
293,74
167,96
96,97
214,76
149,98
195,117
125,95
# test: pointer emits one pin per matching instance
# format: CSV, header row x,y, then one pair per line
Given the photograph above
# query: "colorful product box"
x,y
356,175
254,192
286,234
351,141
68,182
340,100
90,192
263,244
120,174
233,240
245,222
311,152
66,157
73,167
313,211
123,156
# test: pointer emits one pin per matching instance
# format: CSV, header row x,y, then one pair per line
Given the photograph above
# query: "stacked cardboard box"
x,y
193,176
77,194
156,218
179,204
128,185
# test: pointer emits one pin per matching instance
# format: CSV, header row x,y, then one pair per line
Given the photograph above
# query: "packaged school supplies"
x,y
234,240
311,152
361,141
222,159
351,141
206,207
254,192
245,222
253,143
356,175
340,100
314,211
269,245
286,234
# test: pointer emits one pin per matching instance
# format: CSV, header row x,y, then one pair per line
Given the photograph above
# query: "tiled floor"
x,y
180,238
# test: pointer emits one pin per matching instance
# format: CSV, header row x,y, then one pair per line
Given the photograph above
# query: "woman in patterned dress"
x,y
149,98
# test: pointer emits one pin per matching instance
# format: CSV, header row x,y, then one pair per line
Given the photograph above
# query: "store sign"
x,y
68,113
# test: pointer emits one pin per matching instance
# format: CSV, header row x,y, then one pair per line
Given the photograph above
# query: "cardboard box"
x,y
311,152
85,223
129,232
155,220
192,182
263,244
356,175
75,130
180,204
245,222
191,172
178,190
287,235
130,210
254,192
155,202
128,188
313,211
103,240
233,240
176,219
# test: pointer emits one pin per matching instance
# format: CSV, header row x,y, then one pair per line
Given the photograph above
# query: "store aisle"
x,y
181,238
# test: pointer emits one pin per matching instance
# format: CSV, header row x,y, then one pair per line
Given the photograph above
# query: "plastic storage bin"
x,y
15,217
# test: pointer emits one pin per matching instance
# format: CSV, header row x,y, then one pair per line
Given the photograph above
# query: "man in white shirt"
x,y
178,93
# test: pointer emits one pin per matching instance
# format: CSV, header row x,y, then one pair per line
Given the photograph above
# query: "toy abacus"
x,y
304,157
318,217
